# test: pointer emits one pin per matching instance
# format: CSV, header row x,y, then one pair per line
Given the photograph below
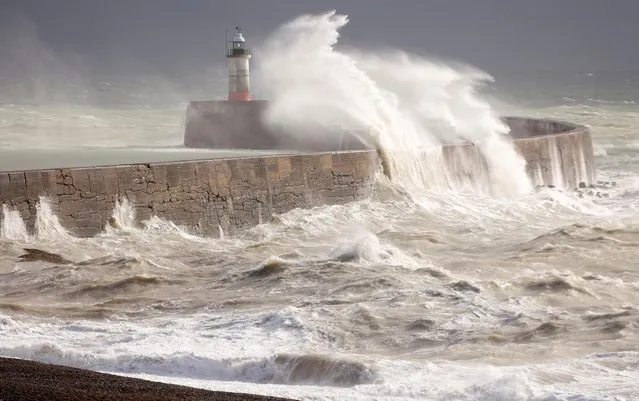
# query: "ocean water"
x,y
420,292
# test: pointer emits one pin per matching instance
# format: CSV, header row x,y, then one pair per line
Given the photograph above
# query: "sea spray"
x,y
46,227
123,216
12,226
47,224
406,106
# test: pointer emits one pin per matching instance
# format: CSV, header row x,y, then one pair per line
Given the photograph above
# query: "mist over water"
x,y
406,106
435,288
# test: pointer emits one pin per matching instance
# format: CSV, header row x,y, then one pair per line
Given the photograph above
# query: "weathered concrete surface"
x,y
202,195
20,159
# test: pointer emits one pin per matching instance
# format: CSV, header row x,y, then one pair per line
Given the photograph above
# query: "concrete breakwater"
x,y
205,196
230,194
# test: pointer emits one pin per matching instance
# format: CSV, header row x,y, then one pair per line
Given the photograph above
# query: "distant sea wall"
x,y
205,196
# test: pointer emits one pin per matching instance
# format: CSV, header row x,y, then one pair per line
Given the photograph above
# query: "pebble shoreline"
x,y
22,380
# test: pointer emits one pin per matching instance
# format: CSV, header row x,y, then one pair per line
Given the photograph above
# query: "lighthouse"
x,y
237,56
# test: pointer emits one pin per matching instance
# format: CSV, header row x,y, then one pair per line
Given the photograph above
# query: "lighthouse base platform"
x,y
240,125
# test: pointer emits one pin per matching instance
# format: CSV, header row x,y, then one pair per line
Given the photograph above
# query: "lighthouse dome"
x,y
238,37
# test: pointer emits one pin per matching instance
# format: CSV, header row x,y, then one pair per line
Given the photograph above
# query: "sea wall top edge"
x,y
192,161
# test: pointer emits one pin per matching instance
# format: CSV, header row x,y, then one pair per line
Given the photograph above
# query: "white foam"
x,y
245,355
363,246
12,227
557,175
580,165
600,150
124,215
47,224
401,103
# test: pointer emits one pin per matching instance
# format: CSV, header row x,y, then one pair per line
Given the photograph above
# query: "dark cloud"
x,y
176,37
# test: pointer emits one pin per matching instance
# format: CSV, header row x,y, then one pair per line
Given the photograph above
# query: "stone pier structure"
x,y
203,196
231,194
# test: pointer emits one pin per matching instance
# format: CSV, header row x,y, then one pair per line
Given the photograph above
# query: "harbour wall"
x,y
227,195
206,197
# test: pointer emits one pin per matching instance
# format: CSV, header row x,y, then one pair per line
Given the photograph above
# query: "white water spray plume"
x,y
406,106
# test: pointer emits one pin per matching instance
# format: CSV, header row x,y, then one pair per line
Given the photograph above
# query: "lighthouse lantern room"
x,y
238,55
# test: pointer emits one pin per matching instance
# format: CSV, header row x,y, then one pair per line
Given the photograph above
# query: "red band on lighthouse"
x,y
239,96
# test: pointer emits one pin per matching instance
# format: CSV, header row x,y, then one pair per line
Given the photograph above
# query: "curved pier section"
x,y
207,197
557,153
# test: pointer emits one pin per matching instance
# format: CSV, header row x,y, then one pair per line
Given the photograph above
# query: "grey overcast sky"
x,y
180,35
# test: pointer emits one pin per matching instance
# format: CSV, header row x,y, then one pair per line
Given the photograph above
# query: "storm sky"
x,y
180,36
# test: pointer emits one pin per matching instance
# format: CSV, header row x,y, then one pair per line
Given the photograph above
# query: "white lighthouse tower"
x,y
238,56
